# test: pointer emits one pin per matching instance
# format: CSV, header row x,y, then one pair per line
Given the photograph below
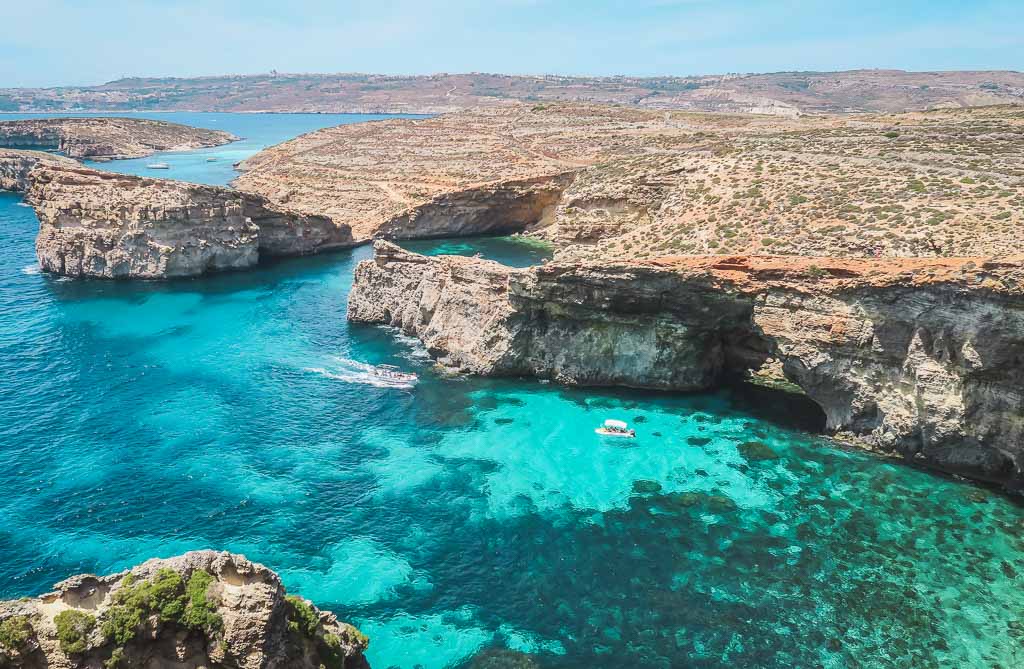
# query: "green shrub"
x,y
200,613
302,619
331,652
73,628
115,659
168,597
892,134
15,632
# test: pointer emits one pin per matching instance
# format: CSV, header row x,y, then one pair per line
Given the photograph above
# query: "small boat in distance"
x,y
211,159
615,428
158,166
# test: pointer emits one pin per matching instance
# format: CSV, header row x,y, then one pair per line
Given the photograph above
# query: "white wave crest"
x,y
353,371
30,269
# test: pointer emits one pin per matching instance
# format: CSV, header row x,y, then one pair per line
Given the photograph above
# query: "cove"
x,y
234,412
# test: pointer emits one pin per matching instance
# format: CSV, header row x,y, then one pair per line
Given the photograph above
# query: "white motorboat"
x,y
158,166
211,159
615,428
392,373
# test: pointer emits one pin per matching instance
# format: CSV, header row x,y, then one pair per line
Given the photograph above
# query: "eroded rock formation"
x,y
921,357
106,138
105,225
16,166
196,610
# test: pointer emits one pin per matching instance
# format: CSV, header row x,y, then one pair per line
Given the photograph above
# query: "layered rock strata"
x,y
16,166
105,225
921,357
199,609
106,138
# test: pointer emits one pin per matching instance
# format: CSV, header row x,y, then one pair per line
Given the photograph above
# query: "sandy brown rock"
x,y
16,166
106,138
920,357
248,598
620,183
105,225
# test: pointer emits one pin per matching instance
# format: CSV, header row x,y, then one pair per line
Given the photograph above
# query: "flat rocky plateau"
x,y
106,138
604,182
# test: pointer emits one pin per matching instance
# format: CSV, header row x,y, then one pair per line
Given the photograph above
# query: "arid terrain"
x,y
781,93
614,182
106,138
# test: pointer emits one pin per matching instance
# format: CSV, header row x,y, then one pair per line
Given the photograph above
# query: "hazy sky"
x,y
55,42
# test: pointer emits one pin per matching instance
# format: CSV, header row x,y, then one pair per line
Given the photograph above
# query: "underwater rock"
x,y
756,450
646,487
215,609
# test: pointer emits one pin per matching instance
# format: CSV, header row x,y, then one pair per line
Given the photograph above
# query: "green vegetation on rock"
x,y
15,632
166,596
73,628
302,619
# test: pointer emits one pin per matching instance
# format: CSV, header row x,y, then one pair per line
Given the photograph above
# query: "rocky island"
x,y
196,610
106,138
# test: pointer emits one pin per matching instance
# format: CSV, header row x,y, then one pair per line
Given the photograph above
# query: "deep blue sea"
x,y
240,412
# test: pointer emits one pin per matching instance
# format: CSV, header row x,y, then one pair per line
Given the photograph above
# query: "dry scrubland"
x,y
636,183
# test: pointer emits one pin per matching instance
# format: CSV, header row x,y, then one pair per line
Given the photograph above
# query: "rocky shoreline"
x,y
915,357
99,224
199,609
106,138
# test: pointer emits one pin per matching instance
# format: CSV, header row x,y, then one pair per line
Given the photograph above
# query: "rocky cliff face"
x,y
104,225
919,357
197,610
16,166
106,138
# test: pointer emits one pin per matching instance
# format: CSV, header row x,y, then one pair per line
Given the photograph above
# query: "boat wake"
x,y
30,269
352,371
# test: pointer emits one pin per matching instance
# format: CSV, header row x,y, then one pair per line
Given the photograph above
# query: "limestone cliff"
x,y
105,225
16,166
921,357
106,138
196,610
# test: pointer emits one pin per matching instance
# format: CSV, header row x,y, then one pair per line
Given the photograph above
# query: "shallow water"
x,y
237,412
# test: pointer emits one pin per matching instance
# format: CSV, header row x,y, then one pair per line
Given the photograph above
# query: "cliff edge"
x,y
199,609
918,357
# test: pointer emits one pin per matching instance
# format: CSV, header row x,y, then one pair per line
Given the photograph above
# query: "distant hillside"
x,y
782,93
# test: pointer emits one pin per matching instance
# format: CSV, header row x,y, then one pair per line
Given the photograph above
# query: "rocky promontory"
x,y
200,609
920,357
106,138
107,225
16,166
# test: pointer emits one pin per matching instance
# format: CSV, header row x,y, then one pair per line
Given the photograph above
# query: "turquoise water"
x,y
461,515
256,131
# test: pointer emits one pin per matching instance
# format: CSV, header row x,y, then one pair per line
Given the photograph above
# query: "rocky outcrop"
x,y
196,610
920,357
16,166
106,138
105,225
